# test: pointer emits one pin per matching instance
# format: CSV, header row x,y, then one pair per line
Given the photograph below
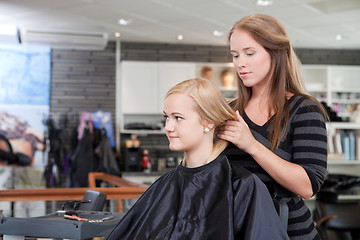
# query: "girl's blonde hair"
x,y
284,71
210,104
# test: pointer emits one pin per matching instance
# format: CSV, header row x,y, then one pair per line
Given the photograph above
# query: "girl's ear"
x,y
208,125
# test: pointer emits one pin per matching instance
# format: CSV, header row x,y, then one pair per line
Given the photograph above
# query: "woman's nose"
x,y
239,63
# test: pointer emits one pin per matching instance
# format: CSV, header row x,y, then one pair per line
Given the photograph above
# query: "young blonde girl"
x,y
205,197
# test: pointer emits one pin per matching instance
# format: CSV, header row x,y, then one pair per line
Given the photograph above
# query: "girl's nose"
x,y
168,126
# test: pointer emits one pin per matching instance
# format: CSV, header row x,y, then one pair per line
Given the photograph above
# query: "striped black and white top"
x,y
304,143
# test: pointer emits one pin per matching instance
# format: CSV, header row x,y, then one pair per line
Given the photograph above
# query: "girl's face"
x,y
183,124
251,61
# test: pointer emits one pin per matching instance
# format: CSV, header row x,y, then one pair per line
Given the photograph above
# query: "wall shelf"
x,y
345,101
348,90
343,125
343,162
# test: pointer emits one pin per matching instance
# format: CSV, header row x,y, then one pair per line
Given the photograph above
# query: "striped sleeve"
x,y
310,142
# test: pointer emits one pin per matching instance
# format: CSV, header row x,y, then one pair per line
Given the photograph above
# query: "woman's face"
x,y
251,61
183,124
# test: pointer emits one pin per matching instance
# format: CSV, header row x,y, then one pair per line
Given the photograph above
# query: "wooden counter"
x,y
124,190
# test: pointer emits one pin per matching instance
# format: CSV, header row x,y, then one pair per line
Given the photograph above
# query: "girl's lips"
x,y
172,137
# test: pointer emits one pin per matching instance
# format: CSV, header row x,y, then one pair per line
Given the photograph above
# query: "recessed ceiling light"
x,y
180,37
117,34
217,33
6,29
338,37
264,2
124,22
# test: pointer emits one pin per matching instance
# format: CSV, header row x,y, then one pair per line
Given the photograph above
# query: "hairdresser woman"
x,y
280,131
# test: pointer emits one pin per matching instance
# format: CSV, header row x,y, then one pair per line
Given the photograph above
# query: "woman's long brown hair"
x,y
284,71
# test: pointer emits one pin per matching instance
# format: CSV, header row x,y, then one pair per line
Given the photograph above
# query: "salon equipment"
x,y
342,219
55,225
92,201
132,158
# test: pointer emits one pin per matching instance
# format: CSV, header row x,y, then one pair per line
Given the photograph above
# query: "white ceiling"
x,y
310,23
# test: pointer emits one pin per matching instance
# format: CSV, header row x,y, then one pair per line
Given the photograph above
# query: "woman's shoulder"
x,y
302,99
300,104
305,111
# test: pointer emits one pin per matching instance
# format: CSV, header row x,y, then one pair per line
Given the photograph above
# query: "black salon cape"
x,y
220,201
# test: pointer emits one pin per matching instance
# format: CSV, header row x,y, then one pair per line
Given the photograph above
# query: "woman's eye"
x,y
166,117
235,56
179,118
250,53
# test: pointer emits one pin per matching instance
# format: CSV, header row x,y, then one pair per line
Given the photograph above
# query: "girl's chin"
x,y
175,148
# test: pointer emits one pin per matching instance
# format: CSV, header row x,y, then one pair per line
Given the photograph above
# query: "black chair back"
x,y
93,201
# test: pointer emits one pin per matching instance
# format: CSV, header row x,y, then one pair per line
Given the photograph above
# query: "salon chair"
x,y
283,211
338,219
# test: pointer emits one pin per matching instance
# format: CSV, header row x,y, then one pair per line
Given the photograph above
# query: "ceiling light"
x,y
8,29
217,33
180,37
338,37
124,22
117,34
264,2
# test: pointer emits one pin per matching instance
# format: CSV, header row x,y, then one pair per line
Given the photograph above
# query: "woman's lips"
x,y
244,74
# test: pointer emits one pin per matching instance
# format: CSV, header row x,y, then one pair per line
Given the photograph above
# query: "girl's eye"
x,y
179,118
166,117
235,56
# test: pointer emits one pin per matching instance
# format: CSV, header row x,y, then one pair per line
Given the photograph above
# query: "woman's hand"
x,y
238,133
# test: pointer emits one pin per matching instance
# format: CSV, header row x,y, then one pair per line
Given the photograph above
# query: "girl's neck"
x,y
192,160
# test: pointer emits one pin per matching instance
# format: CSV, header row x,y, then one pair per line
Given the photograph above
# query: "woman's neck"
x,y
260,93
